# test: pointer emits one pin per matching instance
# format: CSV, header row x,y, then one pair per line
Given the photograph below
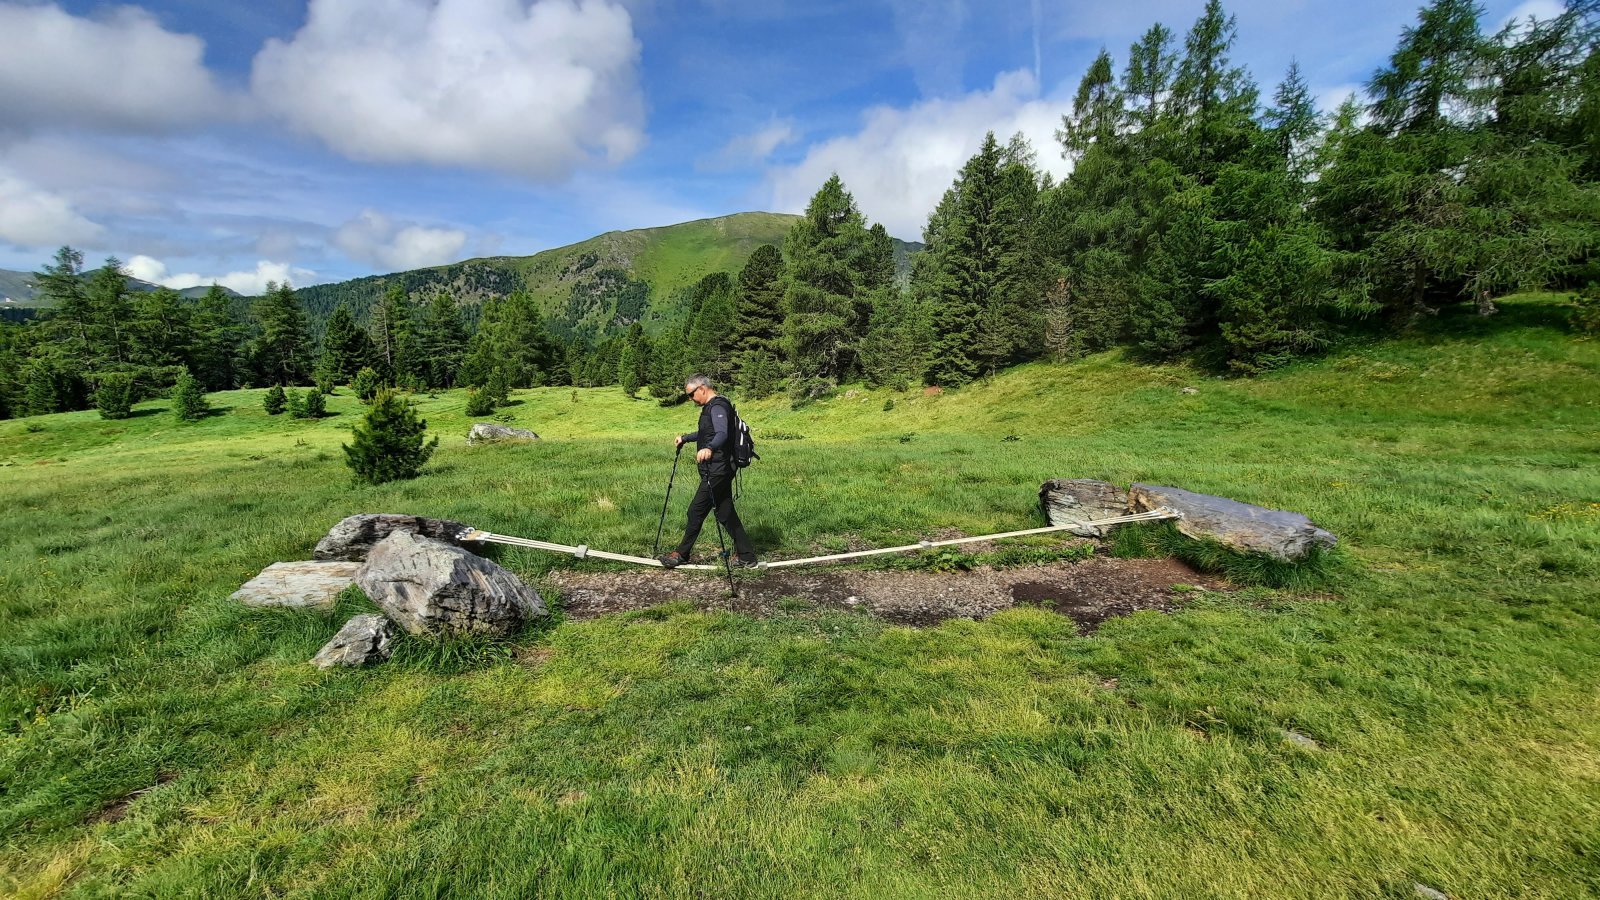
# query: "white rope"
x,y
584,551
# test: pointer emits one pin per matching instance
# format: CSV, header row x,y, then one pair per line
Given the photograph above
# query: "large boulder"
x,y
1068,501
355,536
298,585
429,587
1289,536
364,639
485,433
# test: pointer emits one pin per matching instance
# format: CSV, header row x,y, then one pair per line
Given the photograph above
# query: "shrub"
x,y
188,399
390,442
479,403
367,384
805,390
1586,310
274,401
498,388
309,405
114,396
888,404
325,382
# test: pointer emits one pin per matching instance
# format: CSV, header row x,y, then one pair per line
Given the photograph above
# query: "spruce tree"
x,y
216,344
72,317
283,350
821,325
162,329
712,330
758,328
274,401
346,347
443,341
394,337
633,369
390,441
366,384
114,395
188,398
511,336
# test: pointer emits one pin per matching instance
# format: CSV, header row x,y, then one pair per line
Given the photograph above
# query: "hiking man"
x,y
714,442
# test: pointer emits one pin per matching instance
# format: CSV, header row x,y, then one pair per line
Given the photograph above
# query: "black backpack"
x,y
744,446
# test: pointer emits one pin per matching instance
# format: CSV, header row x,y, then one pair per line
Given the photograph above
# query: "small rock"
x,y
1068,501
1428,893
851,394
1190,390
355,536
298,585
429,587
363,640
1301,741
1289,536
486,433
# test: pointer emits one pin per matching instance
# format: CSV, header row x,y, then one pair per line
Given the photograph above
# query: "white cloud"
x,y
122,71
31,216
536,92
753,148
902,160
375,240
1542,10
249,283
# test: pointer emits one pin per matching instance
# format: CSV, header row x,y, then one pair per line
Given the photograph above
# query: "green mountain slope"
x,y
591,288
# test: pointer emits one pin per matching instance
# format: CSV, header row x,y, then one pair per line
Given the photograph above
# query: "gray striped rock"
x,y
363,640
429,587
355,536
298,585
485,433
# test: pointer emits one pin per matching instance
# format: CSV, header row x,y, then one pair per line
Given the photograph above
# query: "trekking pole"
x,y
659,525
726,565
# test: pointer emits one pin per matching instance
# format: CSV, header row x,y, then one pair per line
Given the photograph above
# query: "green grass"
x,y
1448,662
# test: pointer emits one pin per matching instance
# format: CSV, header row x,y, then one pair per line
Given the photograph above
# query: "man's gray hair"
x,y
698,381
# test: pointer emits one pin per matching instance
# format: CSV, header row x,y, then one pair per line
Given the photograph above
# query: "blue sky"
x,y
316,141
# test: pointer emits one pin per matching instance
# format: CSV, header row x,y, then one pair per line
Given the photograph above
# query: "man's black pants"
x,y
715,493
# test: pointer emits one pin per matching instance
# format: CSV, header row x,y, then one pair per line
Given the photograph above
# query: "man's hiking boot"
x,y
744,562
674,559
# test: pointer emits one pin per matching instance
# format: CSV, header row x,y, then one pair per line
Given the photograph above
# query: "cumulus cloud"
x,y
33,217
374,239
902,160
120,71
753,148
249,283
535,91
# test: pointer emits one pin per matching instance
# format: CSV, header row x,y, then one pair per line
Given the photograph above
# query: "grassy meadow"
x,y
157,740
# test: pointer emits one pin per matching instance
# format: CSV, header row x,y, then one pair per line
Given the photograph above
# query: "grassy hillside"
x,y
157,740
595,287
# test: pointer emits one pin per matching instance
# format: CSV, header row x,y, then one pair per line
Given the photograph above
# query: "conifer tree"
x,y
72,316
274,401
188,398
394,337
214,354
114,395
511,336
162,329
366,384
443,341
758,328
346,347
390,441
633,369
283,350
711,333
110,317
821,325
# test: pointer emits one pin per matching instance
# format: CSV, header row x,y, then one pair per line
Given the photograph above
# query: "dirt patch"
x,y
115,811
1087,592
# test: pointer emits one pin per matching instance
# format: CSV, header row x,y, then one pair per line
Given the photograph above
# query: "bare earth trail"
x,y
1088,592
